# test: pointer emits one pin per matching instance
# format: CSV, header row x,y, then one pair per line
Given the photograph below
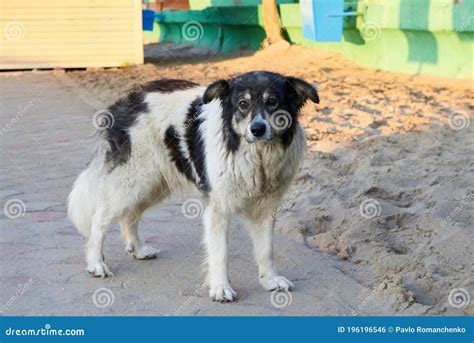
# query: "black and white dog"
x,y
238,142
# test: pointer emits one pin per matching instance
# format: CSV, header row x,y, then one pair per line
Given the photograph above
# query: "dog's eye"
x,y
243,104
272,101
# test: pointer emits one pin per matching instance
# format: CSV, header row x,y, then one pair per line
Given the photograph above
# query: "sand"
x,y
387,185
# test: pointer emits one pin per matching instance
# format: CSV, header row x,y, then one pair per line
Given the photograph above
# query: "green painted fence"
x,y
433,37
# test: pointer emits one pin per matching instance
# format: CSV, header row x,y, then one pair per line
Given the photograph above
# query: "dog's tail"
x,y
82,201
84,197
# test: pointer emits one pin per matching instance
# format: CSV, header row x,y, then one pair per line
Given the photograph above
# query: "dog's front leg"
x,y
262,235
216,225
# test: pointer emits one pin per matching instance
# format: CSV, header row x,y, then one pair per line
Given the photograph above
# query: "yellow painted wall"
x,y
70,33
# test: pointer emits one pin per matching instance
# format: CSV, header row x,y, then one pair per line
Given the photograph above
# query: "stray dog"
x,y
237,142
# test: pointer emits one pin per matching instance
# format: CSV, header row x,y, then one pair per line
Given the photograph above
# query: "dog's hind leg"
x,y
129,232
101,222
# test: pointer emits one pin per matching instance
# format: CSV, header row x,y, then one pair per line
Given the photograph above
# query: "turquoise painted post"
x,y
322,19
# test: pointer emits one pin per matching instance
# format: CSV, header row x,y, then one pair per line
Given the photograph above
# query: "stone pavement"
x,y
46,139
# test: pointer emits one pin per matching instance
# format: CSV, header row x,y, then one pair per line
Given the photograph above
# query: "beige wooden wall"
x,y
70,33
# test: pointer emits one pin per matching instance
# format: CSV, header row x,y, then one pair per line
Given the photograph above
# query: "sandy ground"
x,y
379,221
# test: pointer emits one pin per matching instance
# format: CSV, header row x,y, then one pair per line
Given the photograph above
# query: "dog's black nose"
x,y
258,129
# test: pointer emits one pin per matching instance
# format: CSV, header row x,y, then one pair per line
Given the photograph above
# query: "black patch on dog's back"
x,y
172,141
125,113
195,143
168,85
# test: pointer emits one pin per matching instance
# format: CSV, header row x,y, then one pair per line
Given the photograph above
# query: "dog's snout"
x,y
258,129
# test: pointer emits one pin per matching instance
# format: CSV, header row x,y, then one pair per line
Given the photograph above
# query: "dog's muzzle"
x,y
259,129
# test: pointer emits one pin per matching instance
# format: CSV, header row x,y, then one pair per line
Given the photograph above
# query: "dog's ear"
x,y
218,89
302,90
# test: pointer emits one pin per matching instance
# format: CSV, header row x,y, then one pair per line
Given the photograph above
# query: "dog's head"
x,y
260,105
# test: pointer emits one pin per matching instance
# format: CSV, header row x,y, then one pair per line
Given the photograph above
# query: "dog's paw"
x,y
222,293
99,269
279,283
142,252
